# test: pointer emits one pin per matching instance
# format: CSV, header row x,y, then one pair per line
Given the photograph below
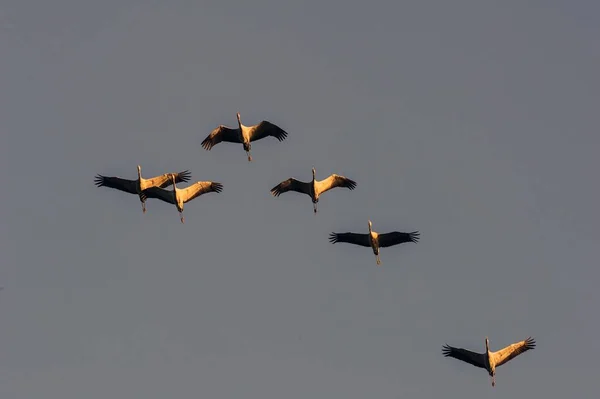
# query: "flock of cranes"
x,y
155,188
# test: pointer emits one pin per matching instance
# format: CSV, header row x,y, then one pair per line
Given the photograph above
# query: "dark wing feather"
x,y
221,133
504,355
181,177
199,188
129,186
350,238
159,193
265,129
291,184
476,359
396,237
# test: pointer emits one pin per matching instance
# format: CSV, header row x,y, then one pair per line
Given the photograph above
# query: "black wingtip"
x,y
348,183
217,187
414,236
184,176
530,343
99,180
275,191
207,144
282,135
333,238
446,350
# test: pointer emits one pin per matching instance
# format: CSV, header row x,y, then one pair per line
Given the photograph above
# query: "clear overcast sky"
x,y
475,122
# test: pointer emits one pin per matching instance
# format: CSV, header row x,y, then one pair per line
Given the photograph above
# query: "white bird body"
x,y
375,240
243,134
490,360
315,188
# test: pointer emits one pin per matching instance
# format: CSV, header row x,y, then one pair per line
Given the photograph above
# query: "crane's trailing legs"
x,y
378,260
315,207
247,148
493,380
143,201
181,216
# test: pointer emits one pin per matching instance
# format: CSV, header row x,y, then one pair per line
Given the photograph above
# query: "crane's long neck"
x,y
174,189
141,182
488,354
239,121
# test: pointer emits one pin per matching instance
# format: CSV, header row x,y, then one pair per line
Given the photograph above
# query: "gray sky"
x,y
474,122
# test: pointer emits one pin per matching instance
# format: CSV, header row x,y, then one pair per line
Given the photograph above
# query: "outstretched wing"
x,y
504,355
350,238
265,129
160,193
291,184
396,237
221,133
476,359
165,180
199,188
129,186
335,181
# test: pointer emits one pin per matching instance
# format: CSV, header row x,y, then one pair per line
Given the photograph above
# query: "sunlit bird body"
x,y
179,196
490,360
375,240
243,134
139,185
314,188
